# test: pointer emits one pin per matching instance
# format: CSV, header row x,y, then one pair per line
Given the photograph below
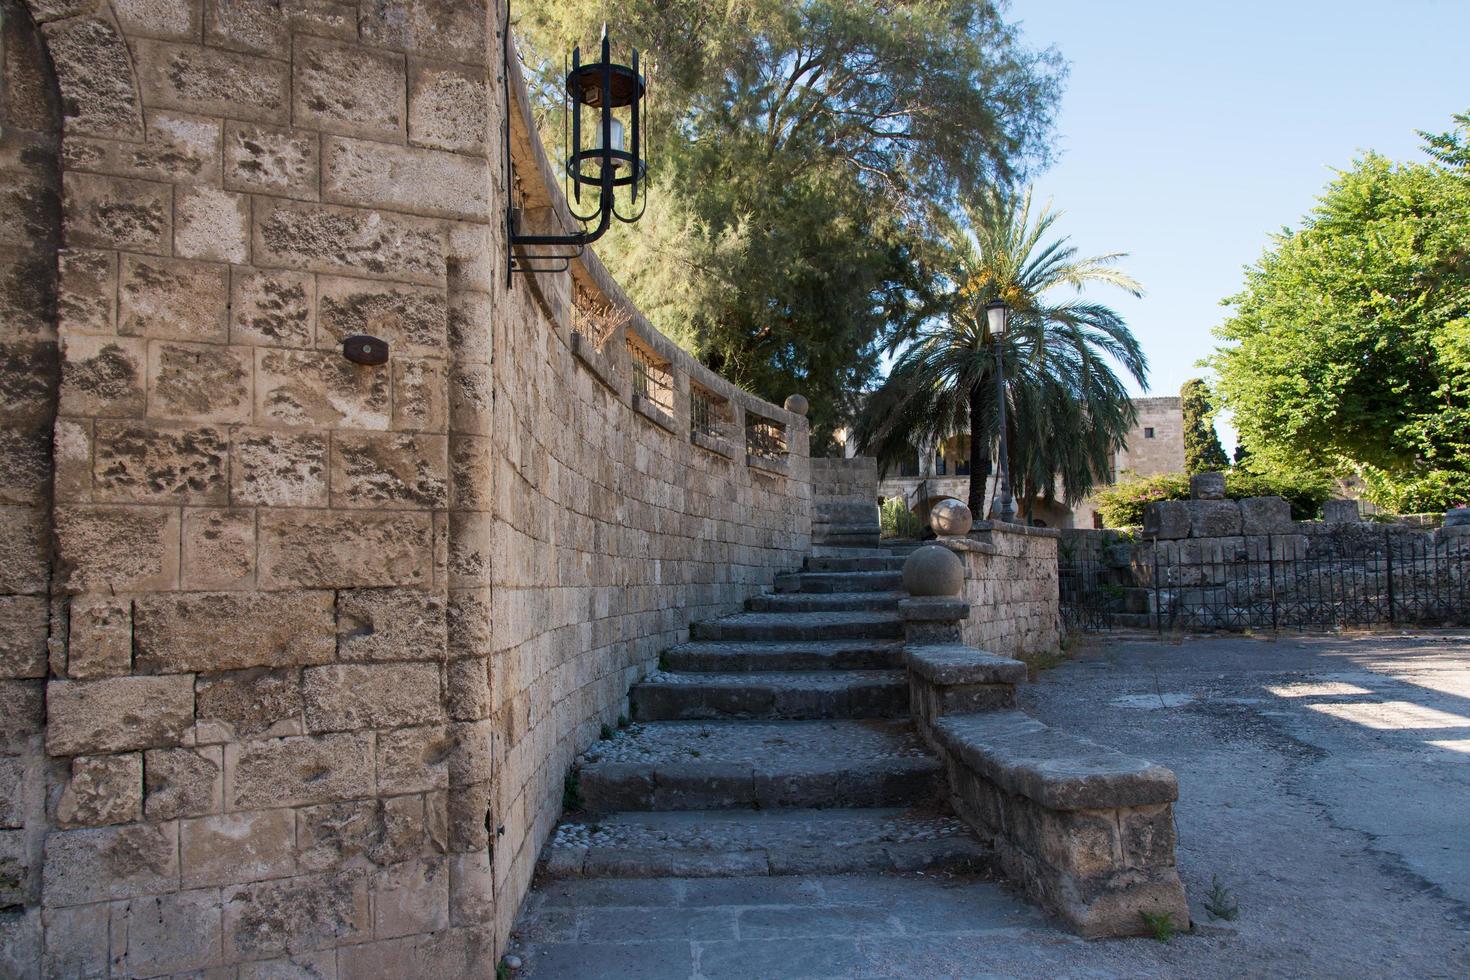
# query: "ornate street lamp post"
x,y
1002,506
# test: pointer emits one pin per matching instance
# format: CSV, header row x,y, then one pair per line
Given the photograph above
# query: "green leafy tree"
x,y
1123,503
1349,348
1202,450
1067,411
804,155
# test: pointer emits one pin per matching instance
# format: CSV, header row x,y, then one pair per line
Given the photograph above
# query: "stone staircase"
x,y
776,741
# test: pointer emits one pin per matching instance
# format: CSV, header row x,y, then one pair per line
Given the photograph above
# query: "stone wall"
x,y
845,500
326,635
1011,586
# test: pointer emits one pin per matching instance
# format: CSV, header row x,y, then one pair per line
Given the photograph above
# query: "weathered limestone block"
x,y
293,915
169,19
281,468
348,89
450,29
400,178
17,858
446,107
118,714
326,238
389,471
467,689
212,82
347,697
320,389
103,790
103,376
23,636
93,865
1265,515
181,149
76,941
326,549
22,713
233,848
1214,518
380,831
248,704
255,28
12,792
471,398
298,770
271,160
412,319
414,760
199,382
116,212
167,934
86,300
1340,512
1166,519
212,224
272,308
218,549
1207,486
117,549
182,782
390,624
94,69
411,897
25,467
420,394
202,631
100,637
149,462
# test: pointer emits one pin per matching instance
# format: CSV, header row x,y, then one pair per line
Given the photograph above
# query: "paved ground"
x,y
1324,782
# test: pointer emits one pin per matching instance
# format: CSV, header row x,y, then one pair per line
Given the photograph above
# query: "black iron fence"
x,y
1369,577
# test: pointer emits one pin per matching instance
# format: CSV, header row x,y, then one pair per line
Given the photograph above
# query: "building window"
x,y
1148,432
939,466
962,468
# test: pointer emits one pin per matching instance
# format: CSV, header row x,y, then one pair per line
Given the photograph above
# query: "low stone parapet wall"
x,y
1011,584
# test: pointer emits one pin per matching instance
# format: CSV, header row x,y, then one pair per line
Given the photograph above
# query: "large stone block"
x,y
180,149
233,848
116,212
1214,518
411,898
118,714
1265,515
23,630
348,697
345,834
294,915
22,713
419,181
325,238
298,770
272,308
102,790
271,160
257,28
212,82
337,549
389,471
203,631
25,466
149,462
318,388
390,624
281,468
218,549
103,376
420,394
84,866
76,941
414,760
243,704
95,70
183,782
86,293
446,107
199,382
99,641
167,934
349,89
1207,486
213,224
1166,519
450,29
117,549
170,19
412,319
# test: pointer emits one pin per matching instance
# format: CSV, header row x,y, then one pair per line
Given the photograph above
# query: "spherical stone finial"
x,y
933,570
951,518
797,404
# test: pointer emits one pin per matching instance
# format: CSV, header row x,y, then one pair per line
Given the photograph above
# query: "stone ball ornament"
x,y
951,518
933,570
797,404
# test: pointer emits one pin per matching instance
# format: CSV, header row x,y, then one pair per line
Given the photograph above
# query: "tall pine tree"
x,y
1202,450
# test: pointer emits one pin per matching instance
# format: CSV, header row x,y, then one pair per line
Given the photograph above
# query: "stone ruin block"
x,y
1207,486
1214,518
1166,519
1340,512
1265,515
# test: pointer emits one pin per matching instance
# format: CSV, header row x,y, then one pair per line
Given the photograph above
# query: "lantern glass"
x,y
997,313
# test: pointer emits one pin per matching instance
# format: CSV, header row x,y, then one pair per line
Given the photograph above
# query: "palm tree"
x,y
1067,413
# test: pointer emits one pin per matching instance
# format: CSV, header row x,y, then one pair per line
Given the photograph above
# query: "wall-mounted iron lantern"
x,y
614,94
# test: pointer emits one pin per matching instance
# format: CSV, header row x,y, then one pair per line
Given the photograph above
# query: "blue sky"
x,y
1191,130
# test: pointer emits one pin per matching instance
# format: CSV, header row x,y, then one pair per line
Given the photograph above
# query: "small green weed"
x,y
502,972
607,732
571,792
1160,926
663,661
1221,902
623,721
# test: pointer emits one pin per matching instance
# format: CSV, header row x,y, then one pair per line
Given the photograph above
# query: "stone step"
x,y
714,765
736,656
826,602
825,582
848,551
747,843
668,696
885,562
802,626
